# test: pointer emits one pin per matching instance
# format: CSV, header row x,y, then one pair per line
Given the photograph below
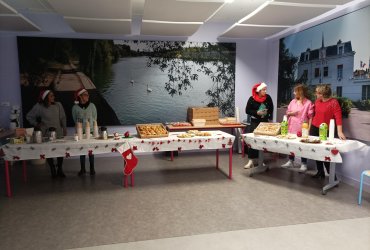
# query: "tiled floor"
x,y
184,204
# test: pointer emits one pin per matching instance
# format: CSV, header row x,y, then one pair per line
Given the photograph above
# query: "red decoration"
x,y
134,148
327,158
127,134
42,157
67,155
90,152
114,150
16,158
201,146
334,151
292,154
130,160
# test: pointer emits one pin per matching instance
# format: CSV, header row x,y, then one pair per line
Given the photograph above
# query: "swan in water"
x,y
148,89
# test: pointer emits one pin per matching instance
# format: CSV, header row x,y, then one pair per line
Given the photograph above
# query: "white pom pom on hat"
x,y
261,86
43,94
78,93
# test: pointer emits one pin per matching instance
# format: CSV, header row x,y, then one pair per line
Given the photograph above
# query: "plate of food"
x,y
288,136
310,140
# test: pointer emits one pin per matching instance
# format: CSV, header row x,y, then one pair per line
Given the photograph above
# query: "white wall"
x,y
10,90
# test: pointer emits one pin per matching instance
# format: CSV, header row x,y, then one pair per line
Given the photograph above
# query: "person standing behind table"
x,y
46,114
300,109
260,108
326,108
84,110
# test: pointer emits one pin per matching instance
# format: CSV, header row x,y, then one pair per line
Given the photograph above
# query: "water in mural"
x,y
137,93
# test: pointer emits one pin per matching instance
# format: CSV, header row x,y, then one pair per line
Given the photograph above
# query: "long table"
x,y
67,147
328,151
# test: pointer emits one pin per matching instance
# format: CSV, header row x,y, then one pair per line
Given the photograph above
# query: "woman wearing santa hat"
x,y
260,109
49,114
84,111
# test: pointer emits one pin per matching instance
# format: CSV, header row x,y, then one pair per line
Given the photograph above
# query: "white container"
x,y
198,122
96,130
331,129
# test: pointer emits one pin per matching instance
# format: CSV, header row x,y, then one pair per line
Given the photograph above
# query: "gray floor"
x,y
184,200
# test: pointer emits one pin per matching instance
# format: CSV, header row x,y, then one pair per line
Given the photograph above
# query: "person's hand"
x,y
341,136
262,112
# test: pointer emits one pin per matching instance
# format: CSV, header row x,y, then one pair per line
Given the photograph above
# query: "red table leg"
x,y
230,163
132,179
217,157
171,155
24,168
7,180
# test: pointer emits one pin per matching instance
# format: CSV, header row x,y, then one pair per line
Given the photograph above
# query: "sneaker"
x,y
288,164
303,168
249,164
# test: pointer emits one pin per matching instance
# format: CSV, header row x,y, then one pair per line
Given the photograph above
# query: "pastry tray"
x,y
151,130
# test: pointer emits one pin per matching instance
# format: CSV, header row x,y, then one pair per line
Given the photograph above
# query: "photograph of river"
x,y
130,82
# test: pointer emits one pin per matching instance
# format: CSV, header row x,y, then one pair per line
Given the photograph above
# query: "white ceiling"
x,y
161,18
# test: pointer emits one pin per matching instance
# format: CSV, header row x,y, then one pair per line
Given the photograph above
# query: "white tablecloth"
x,y
325,151
67,147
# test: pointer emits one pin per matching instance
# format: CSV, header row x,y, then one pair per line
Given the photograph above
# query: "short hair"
x,y
324,89
301,90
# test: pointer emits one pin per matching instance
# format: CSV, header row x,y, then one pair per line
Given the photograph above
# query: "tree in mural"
x,y
287,68
215,60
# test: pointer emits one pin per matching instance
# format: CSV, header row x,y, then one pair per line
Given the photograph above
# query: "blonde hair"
x,y
301,91
324,89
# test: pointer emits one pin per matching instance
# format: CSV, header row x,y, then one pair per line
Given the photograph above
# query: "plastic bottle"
x,y
331,129
323,131
96,130
79,130
305,129
284,126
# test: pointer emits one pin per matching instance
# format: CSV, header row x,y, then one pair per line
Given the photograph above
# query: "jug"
x,y
52,134
37,135
103,133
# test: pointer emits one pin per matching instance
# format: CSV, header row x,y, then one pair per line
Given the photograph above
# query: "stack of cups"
x,y
96,130
87,130
79,130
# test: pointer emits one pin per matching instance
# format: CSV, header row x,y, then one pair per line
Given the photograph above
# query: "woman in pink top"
x,y
300,109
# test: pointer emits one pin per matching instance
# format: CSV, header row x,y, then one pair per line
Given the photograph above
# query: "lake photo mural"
x,y
130,82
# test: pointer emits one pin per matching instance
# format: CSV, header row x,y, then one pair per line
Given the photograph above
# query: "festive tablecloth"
x,y
325,151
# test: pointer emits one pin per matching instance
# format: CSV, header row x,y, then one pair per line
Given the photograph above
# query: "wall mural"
x,y
336,52
130,82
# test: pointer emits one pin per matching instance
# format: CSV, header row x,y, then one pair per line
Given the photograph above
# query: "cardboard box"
x,y
210,114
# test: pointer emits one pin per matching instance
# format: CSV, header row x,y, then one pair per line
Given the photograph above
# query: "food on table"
x,y
185,135
180,124
288,136
310,140
267,128
151,130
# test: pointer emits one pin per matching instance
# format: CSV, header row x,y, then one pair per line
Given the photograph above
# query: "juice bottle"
x,y
305,129
323,131
284,126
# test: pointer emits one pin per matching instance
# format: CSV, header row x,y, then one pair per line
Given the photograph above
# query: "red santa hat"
x,y
79,92
43,94
260,86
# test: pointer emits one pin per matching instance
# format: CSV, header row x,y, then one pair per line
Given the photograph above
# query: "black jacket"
x,y
253,106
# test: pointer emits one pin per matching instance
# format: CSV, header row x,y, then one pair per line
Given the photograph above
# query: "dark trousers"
x,y
252,153
319,164
83,160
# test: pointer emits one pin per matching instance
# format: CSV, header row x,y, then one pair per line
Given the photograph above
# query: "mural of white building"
x,y
334,65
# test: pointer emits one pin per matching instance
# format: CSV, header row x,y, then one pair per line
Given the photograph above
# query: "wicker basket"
x,y
155,130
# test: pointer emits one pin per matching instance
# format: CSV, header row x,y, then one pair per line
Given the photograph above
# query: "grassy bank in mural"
x,y
331,54
131,81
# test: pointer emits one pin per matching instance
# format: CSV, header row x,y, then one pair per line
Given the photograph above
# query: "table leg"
x,y
231,163
132,179
125,181
7,180
24,168
217,157
243,145
171,155
332,182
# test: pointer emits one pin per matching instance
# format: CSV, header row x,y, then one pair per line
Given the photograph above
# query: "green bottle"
x,y
323,131
284,126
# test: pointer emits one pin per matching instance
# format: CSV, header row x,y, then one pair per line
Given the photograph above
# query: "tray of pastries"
x,y
267,128
151,130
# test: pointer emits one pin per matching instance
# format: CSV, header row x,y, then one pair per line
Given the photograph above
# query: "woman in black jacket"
x,y
260,108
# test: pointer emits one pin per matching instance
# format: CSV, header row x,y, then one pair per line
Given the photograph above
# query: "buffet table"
x,y
67,147
329,151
